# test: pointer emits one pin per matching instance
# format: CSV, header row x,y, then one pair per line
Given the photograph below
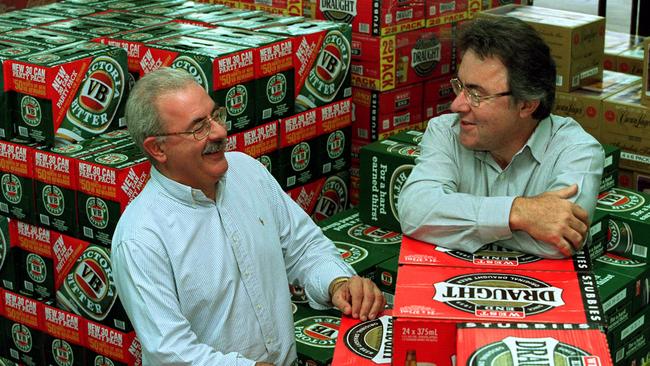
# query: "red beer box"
x,y
376,114
225,70
255,142
438,96
430,301
366,343
306,195
489,256
16,179
114,344
386,17
335,137
524,343
22,309
69,93
385,63
64,325
445,11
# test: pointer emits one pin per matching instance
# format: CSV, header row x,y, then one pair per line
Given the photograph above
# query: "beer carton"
x,y
620,281
88,289
576,41
333,197
387,16
386,278
256,142
40,37
642,182
629,222
56,179
333,151
443,11
69,93
114,346
9,267
364,261
125,18
364,343
85,27
645,94
575,344
316,333
378,113
627,123
25,343
7,26
437,99
385,166
65,326
630,61
8,50
306,195
212,17
347,227
628,330
94,358
408,137
171,9
599,226
225,70
615,43
274,72
64,10
22,309
29,18
637,344
6,362
16,179
298,144
430,301
256,20
612,158
46,258
321,60
585,105
490,256
61,352
108,182
404,58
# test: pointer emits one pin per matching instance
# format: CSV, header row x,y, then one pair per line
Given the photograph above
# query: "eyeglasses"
x,y
472,95
203,128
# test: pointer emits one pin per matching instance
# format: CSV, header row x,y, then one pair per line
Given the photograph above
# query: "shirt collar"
x,y
538,141
183,193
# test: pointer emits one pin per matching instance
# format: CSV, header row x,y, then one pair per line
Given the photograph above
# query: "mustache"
x,y
216,146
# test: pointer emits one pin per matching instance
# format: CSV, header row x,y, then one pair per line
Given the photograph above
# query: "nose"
x,y
460,103
217,130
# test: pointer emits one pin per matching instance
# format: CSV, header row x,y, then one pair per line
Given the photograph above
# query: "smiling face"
x,y
497,125
181,157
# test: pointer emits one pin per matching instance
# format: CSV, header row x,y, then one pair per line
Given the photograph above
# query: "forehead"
x,y
488,73
184,105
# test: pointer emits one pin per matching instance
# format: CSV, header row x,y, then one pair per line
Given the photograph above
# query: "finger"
x,y
574,238
566,192
368,299
355,286
378,305
580,213
341,299
579,226
565,248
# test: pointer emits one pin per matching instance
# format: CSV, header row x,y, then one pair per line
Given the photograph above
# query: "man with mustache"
x,y
501,168
204,256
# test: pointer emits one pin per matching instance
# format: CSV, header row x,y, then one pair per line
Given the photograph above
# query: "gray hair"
x,y
142,117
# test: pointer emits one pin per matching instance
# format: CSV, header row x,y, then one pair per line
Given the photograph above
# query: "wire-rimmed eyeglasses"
x,y
471,94
203,127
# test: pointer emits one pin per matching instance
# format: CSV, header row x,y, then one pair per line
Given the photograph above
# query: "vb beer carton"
x,y
430,301
334,196
493,256
385,166
85,27
9,276
40,37
28,18
306,195
520,343
316,333
70,93
107,345
297,157
16,179
386,278
61,352
25,343
171,9
64,10
65,326
321,60
364,343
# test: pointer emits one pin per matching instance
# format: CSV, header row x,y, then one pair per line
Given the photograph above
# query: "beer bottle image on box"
x,y
69,93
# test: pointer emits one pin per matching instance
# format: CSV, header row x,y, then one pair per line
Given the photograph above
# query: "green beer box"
x,y
94,358
132,20
87,28
64,10
629,222
334,151
386,278
9,50
297,155
108,182
412,137
333,197
28,18
363,260
628,330
61,352
612,158
608,181
41,37
25,344
321,60
171,9
225,70
256,21
599,227
6,26
214,17
617,293
316,333
348,227
16,179
56,179
638,343
135,43
631,281
9,276
385,166
273,69
70,93
7,362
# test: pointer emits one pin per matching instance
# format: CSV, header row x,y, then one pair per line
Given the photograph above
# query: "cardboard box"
x,y
386,279
9,263
438,96
430,301
25,344
212,17
306,195
29,18
334,196
387,16
636,344
576,41
404,58
316,333
630,61
16,179
489,256
629,222
412,137
113,345
645,94
256,20
366,343
615,43
445,11
385,166
85,27
41,37
66,326
642,182
627,331
298,149
61,352
517,343
64,10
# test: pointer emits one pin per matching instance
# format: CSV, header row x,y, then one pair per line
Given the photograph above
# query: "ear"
x,y
527,108
155,149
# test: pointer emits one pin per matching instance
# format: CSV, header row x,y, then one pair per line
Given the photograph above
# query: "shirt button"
x,y
259,307
246,274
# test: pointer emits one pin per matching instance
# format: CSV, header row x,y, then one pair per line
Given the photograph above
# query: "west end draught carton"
x,y
322,56
528,343
225,70
364,343
489,256
430,301
70,93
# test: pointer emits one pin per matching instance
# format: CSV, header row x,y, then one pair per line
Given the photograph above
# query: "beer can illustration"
x,y
619,237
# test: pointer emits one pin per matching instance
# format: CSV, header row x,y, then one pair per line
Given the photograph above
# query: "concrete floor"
x,y
617,12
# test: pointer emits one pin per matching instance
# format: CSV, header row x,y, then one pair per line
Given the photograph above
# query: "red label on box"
x,y
299,127
16,159
335,116
255,142
110,342
307,195
364,343
64,325
22,309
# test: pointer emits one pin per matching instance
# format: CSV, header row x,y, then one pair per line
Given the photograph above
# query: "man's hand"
x,y
263,364
552,218
358,297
